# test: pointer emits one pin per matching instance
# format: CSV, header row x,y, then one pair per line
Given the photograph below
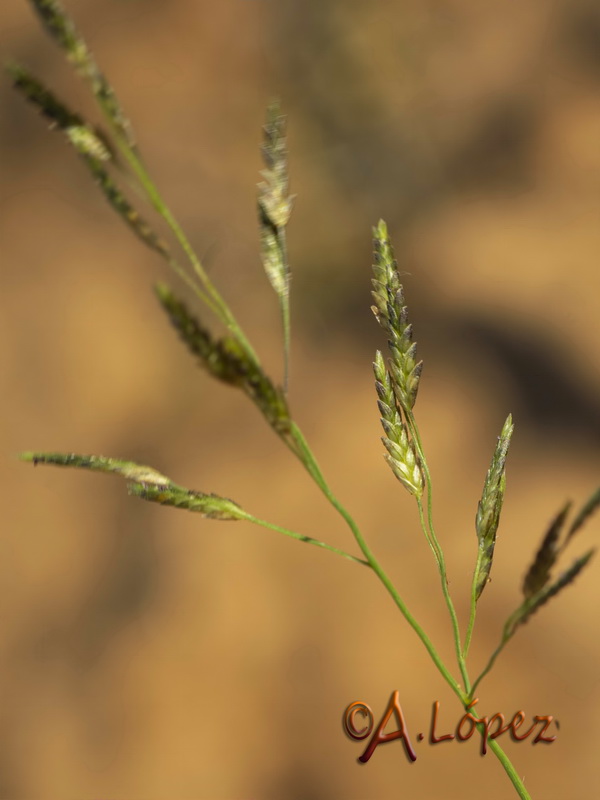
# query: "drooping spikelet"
x,y
146,483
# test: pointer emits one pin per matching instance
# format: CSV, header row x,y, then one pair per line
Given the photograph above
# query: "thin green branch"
x,y
306,456
414,430
307,539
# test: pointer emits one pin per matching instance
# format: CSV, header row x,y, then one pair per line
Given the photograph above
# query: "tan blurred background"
x,y
147,653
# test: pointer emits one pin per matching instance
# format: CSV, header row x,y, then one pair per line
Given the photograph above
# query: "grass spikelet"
x,y
274,210
489,509
400,452
62,29
392,315
130,216
226,360
198,339
211,506
532,604
127,469
80,133
538,574
94,150
588,508
146,483
537,586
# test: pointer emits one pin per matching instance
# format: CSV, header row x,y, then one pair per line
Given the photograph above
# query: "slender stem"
x,y
509,769
305,454
452,611
285,308
503,642
414,430
302,538
179,270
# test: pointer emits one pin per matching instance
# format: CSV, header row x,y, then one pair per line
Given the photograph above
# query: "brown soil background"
x,y
147,653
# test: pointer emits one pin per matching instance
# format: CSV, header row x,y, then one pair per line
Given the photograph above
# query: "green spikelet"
x,y
227,360
538,574
400,451
94,150
392,315
489,508
146,483
62,29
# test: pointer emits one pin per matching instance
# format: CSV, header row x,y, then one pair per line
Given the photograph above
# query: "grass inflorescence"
x,y
111,155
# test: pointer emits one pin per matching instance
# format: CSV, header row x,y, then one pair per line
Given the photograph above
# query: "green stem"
x,y
414,430
285,309
503,642
452,611
509,769
302,538
306,456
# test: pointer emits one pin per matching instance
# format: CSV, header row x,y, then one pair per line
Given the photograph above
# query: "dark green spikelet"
x,y
538,574
211,506
538,586
226,360
533,603
588,508
212,355
392,315
83,136
146,483
93,148
130,216
400,451
62,29
489,509
41,97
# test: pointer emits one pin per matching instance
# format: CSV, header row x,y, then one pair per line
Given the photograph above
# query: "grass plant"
x,y
112,156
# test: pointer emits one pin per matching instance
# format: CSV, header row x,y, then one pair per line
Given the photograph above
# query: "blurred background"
x,y
148,653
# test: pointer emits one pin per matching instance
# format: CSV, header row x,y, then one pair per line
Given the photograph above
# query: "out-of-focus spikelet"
x,y
489,508
538,573
226,360
62,29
